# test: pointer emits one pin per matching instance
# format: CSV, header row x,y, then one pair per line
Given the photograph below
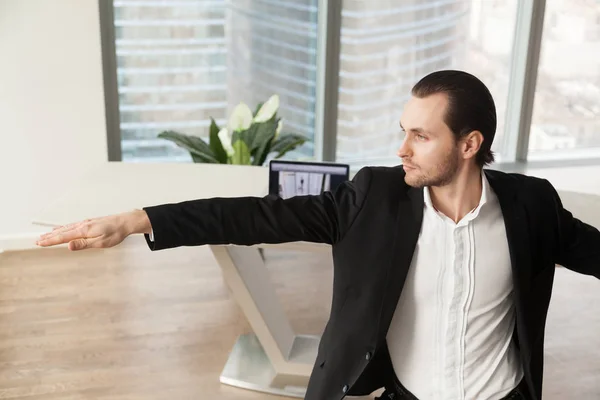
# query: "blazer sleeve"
x,y
323,218
578,244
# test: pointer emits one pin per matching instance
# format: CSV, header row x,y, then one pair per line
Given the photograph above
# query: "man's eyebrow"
x,y
417,130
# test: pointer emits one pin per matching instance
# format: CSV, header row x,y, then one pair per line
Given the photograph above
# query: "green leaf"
x,y
200,159
199,150
215,143
242,154
262,132
262,153
263,138
257,138
287,142
245,135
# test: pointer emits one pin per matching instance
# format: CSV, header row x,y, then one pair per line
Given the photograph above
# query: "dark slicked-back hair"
x,y
470,106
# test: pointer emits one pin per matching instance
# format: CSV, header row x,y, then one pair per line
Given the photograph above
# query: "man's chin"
x,y
413,182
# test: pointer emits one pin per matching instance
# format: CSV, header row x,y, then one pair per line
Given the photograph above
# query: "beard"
x,y
440,175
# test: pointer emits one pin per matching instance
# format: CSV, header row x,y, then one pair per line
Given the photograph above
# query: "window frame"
x,y
109,72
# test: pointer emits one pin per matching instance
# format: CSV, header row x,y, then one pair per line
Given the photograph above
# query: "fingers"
x,y
78,244
62,236
63,228
56,231
90,233
86,243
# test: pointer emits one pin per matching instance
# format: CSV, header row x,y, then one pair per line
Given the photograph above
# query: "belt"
x,y
397,391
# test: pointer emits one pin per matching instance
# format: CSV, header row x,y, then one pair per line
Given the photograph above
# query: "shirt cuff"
x,y
151,235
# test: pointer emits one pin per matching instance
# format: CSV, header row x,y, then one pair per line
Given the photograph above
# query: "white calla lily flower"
x,y
268,109
240,119
226,141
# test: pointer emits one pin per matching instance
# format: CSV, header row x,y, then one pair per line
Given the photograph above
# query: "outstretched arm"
x,y
244,221
578,244
320,218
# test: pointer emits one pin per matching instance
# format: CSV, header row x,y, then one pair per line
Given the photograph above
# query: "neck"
x,y
459,197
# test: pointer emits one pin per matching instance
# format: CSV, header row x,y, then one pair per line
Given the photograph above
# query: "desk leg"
x,y
274,359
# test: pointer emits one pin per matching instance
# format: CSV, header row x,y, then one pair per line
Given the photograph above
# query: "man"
x,y
443,269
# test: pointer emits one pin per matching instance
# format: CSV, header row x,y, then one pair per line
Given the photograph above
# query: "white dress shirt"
x,y
451,334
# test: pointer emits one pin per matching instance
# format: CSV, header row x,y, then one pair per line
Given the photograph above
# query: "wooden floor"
x,y
127,323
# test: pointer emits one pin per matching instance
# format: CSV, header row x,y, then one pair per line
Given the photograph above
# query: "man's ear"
x,y
471,144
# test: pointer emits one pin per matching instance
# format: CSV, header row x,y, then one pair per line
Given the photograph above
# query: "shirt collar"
x,y
485,195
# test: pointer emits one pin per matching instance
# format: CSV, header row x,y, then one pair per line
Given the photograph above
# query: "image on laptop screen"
x,y
299,178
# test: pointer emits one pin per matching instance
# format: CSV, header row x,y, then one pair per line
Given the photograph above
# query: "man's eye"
x,y
421,137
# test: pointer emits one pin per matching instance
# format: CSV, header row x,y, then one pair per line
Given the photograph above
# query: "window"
x,y
566,112
181,62
386,47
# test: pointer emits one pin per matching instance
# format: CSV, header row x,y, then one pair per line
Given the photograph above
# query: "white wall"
x,y
52,125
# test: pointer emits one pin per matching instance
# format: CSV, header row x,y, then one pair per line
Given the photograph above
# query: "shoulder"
x,y
528,188
380,173
373,176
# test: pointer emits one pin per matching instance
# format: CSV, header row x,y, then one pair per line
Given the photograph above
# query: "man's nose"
x,y
404,150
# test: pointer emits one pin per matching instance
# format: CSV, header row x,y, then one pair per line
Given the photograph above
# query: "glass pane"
x,y
171,68
272,49
566,112
387,46
180,63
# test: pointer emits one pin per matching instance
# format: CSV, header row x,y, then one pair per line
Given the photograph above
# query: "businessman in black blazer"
x,y
443,269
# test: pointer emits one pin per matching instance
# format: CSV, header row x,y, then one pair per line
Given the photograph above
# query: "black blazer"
x,y
373,223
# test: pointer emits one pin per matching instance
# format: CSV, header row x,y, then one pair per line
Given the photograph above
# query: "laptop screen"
x,y
301,178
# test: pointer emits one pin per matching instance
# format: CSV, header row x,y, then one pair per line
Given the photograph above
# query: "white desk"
x,y
274,359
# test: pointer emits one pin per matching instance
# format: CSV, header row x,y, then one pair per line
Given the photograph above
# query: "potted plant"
x,y
247,139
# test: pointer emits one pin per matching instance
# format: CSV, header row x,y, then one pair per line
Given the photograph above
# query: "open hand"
x,y
103,232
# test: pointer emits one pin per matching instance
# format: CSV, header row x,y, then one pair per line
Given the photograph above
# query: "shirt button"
x,y
368,356
345,388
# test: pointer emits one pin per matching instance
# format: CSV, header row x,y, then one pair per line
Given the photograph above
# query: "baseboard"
x,y
24,241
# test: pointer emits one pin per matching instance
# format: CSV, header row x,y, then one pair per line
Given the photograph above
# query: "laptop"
x,y
301,178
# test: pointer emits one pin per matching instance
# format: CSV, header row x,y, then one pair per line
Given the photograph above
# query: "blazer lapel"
x,y
516,223
409,218
517,233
